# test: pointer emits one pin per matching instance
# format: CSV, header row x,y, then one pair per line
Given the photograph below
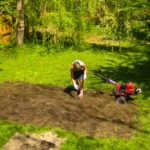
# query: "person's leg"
x,y
77,82
81,88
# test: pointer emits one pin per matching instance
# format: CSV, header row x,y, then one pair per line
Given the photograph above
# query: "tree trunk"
x,y
20,22
120,46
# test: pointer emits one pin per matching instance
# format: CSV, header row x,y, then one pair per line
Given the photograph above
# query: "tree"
x,y
117,18
64,22
20,22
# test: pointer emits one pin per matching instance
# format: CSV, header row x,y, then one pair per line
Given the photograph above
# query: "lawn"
x,y
32,63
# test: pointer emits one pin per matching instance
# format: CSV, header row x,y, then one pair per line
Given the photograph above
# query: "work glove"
x,y
75,86
84,76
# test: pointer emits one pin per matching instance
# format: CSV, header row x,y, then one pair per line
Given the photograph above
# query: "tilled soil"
x,y
97,114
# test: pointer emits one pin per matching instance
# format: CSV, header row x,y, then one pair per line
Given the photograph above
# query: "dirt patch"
x,y
45,141
97,114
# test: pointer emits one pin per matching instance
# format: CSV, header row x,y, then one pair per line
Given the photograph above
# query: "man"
x,y
78,75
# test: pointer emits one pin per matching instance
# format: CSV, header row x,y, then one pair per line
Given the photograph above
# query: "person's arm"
x,y
71,73
85,71
72,78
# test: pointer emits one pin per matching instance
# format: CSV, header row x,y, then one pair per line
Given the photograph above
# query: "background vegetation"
x,y
61,24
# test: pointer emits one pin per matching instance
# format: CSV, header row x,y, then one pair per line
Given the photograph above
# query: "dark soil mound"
x,y
97,114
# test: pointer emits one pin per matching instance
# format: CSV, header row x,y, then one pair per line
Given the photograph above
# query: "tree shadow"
x,y
133,68
132,125
103,47
1,68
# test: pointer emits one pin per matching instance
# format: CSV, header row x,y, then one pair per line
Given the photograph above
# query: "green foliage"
x,y
117,19
57,23
7,7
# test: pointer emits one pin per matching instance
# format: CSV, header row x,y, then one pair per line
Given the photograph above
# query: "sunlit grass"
x,y
52,69
31,63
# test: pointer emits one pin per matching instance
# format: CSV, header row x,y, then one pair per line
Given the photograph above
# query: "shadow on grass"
x,y
1,68
103,47
134,67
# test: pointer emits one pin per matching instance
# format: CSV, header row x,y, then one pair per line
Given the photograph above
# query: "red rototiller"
x,y
122,91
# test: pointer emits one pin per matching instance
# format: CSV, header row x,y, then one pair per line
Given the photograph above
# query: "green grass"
x,y
31,63
53,69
